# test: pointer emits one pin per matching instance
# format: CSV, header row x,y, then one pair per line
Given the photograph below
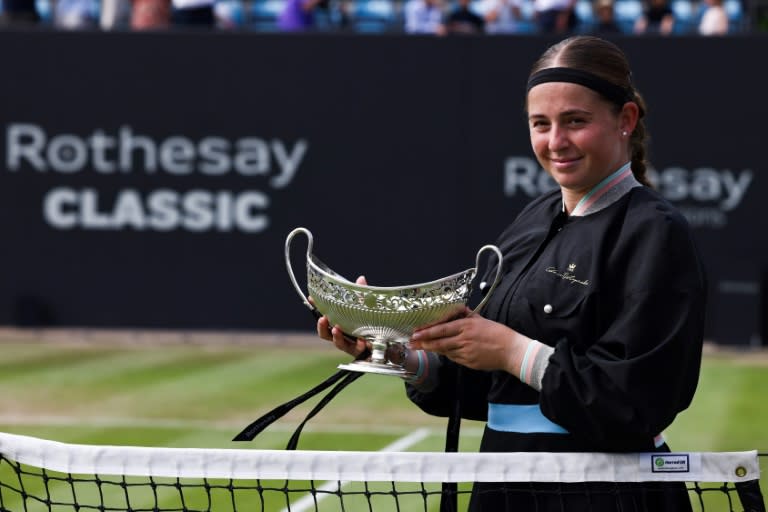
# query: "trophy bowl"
x,y
383,315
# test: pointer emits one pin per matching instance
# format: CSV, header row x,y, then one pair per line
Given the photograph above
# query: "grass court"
x,y
200,394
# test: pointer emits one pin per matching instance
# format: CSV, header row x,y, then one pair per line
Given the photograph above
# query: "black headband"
x,y
608,90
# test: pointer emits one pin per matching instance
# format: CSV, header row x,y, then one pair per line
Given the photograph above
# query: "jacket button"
x,y
548,308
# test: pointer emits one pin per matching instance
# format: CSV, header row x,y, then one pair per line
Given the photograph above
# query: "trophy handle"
x,y
499,256
288,240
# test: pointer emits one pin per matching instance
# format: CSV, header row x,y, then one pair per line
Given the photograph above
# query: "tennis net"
x,y
39,475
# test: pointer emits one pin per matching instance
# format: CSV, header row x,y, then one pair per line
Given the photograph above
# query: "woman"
x,y
657,18
714,21
592,339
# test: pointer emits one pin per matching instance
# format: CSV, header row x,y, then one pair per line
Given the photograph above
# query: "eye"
x,y
539,124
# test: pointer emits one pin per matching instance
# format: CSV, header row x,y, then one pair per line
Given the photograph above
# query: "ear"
x,y
628,117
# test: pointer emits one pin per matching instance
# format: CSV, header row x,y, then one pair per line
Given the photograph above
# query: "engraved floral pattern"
x,y
450,291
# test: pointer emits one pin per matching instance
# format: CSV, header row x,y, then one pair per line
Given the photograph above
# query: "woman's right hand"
x,y
334,334
343,343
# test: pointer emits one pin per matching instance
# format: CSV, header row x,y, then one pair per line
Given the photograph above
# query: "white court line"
x,y
402,444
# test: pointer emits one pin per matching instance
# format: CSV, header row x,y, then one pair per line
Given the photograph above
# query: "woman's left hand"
x,y
475,342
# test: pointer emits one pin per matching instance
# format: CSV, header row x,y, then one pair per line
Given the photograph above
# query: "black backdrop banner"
x,y
150,179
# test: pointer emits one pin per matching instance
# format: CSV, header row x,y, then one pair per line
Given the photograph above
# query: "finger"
x,y
342,341
338,336
323,329
438,347
345,343
361,280
435,332
466,312
416,345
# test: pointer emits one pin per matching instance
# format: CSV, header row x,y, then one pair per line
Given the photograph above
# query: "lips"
x,y
564,162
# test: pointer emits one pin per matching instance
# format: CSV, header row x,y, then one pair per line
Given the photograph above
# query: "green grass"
x,y
192,396
728,412
175,395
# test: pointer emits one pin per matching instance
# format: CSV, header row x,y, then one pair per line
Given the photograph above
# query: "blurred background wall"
x,y
150,179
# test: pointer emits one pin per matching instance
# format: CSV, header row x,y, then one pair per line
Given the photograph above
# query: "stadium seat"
x,y
586,15
687,16
683,9
374,16
264,14
45,10
626,13
74,14
525,25
736,18
229,13
733,8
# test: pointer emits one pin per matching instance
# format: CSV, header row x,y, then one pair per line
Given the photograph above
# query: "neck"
x,y
578,202
571,198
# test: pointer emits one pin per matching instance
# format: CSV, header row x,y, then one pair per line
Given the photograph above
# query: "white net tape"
x,y
379,466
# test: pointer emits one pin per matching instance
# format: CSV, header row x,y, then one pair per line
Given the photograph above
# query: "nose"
x,y
558,138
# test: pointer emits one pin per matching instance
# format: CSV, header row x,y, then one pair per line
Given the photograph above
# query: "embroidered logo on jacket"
x,y
568,275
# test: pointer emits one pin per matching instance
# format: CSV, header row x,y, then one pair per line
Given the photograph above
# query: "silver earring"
x,y
624,133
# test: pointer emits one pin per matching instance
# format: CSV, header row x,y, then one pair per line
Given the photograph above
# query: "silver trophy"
x,y
384,315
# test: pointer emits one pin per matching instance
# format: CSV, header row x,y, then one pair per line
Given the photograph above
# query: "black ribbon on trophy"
x,y
341,379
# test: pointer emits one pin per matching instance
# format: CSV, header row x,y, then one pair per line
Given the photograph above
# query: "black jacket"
x,y
625,294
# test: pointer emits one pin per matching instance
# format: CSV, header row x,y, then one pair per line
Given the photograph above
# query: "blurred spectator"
x,y
229,14
298,15
657,18
714,21
423,17
150,14
115,14
605,18
74,14
19,13
192,14
501,16
555,16
462,20
340,12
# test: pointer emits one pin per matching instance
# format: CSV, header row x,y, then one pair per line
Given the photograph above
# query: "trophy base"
x,y
378,368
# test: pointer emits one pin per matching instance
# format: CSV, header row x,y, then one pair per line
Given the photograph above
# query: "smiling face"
x,y
577,136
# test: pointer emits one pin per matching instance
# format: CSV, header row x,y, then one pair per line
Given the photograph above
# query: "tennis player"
x,y
592,339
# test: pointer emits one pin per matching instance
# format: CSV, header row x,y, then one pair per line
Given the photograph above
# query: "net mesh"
x,y
38,474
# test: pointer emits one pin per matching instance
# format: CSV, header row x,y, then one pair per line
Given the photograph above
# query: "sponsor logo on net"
x,y
670,463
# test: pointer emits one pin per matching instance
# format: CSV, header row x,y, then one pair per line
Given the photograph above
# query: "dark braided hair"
x,y
606,60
